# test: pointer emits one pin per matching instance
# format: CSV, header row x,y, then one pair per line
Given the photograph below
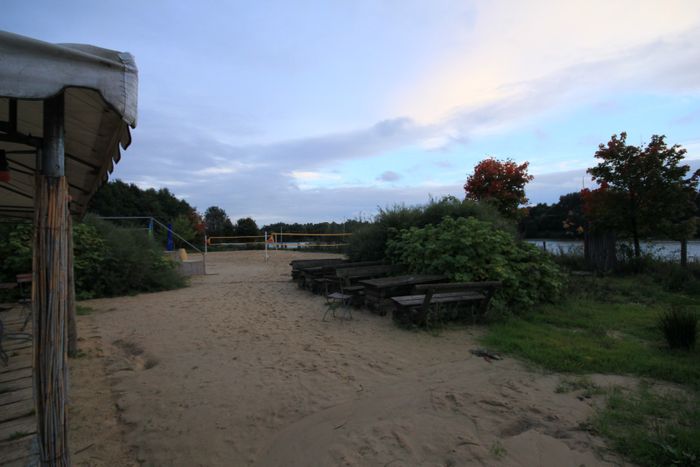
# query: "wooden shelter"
x,y
65,111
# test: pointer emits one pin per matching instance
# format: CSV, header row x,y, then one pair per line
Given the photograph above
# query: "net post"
x,y
266,255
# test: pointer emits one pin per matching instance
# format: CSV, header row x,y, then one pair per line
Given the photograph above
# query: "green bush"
x,y
107,261
115,261
679,327
369,243
15,250
473,250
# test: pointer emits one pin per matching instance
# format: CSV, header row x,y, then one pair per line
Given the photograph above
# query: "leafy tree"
x,y
500,182
185,228
246,226
217,222
117,198
643,190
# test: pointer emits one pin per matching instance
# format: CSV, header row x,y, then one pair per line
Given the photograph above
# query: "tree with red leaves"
x,y
500,182
643,191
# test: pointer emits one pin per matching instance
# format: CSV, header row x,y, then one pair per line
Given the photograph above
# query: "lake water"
x,y
663,249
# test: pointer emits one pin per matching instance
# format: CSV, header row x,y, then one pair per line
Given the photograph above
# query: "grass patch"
x,y
497,450
604,326
82,310
651,428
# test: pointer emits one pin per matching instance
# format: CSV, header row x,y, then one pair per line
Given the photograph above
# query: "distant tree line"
x,y
561,220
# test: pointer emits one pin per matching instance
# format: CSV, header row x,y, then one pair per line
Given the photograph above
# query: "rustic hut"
x,y
65,111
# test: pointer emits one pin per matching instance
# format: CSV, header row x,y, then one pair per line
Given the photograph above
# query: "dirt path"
x,y
239,369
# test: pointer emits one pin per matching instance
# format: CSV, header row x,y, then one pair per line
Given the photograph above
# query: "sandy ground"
x,y
239,369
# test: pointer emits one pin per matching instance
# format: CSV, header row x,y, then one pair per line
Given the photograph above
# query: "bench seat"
x,y
421,308
448,297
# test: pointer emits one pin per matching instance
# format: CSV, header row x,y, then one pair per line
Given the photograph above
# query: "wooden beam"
x,y
50,290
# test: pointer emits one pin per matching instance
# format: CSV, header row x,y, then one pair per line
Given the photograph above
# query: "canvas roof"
x,y
101,88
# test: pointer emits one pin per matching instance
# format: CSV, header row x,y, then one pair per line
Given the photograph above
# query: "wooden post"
x,y
50,291
599,251
72,325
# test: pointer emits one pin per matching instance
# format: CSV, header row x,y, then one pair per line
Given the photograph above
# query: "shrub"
x,y
15,250
473,250
367,243
122,261
370,242
679,327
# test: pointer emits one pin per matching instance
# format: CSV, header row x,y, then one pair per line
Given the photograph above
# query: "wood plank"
x,y
397,281
18,450
25,425
451,297
18,347
15,395
14,375
16,410
459,286
17,362
17,384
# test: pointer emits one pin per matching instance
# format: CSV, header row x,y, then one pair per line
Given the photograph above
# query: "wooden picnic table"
x,y
429,300
379,291
299,264
310,277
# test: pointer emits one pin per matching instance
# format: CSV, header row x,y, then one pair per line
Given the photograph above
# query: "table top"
x,y
398,281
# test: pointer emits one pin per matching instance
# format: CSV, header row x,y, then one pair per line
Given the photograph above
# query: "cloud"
x,y
389,176
493,80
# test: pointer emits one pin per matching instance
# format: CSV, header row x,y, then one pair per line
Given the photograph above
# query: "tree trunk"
x,y
599,251
637,248
684,252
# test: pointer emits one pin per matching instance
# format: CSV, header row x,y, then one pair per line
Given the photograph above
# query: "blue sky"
x,y
325,110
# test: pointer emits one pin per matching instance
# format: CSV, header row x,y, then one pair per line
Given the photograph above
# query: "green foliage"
x,y
643,190
183,226
472,250
89,251
652,428
15,250
680,327
604,325
120,262
217,222
369,242
563,219
117,198
246,226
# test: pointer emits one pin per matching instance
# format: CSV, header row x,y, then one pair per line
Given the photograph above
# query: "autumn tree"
x,y
643,191
500,182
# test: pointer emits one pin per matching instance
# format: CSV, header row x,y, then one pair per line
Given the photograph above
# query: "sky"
x,y
326,110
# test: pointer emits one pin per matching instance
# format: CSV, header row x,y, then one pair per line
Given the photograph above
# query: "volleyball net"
x,y
282,240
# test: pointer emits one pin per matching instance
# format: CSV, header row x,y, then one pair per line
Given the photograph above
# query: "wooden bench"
x,y
345,280
378,292
425,305
298,264
315,278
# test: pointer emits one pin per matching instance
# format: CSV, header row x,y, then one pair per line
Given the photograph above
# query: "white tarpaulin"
x,y
100,88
